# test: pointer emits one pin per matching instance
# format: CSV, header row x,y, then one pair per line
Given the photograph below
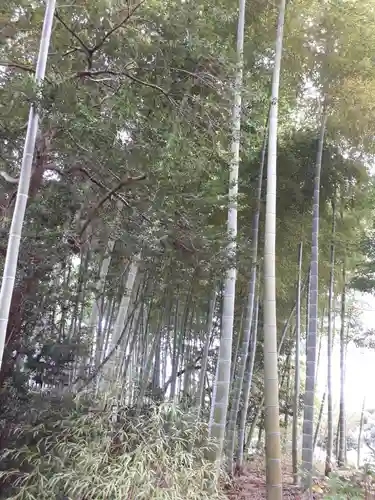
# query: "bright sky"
x,y
360,366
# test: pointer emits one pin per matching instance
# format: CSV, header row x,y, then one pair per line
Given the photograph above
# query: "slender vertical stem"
x,y
247,384
281,343
271,383
175,350
287,399
222,381
342,437
231,434
360,432
297,375
11,259
307,308
308,417
319,418
320,344
95,315
208,331
328,464
337,438
236,350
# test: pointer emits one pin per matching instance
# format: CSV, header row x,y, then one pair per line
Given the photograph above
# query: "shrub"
x,y
350,484
85,453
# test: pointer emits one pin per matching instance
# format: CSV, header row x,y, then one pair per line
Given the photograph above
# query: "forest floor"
x,y
251,483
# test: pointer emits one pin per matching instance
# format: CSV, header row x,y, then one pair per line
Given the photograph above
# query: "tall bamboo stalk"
x,y
328,464
271,384
239,379
13,248
297,374
222,381
208,331
318,424
342,436
308,417
247,384
361,432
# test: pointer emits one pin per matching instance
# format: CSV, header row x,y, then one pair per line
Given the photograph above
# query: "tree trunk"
x,y
320,345
247,385
236,350
308,306
360,433
259,440
297,375
249,316
342,437
281,343
319,418
121,320
11,259
308,417
288,321
208,332
96,315
271,384
176,348
148,367
222,382
287,399
337,438
328,464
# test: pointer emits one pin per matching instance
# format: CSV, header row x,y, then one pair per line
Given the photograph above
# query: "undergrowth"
x,y
84,453
354,484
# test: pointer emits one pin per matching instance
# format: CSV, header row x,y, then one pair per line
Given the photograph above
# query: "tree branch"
x,y
89,176
191,367
93,73
7,64
8,178
369,446
117,26
71,51
22,67
124,182
97,370
198,76
74,34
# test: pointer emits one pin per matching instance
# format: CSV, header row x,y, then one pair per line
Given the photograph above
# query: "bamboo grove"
x,y
191,209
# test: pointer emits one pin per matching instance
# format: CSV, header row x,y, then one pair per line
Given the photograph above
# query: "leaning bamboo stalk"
x,y
11,259
243,353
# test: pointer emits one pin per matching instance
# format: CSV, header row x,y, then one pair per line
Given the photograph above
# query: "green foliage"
x,y
153,97
90,453
356,485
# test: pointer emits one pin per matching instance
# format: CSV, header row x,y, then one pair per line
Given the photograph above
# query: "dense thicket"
x,y
123,255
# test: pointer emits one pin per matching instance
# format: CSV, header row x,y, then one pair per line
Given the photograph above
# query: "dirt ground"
x,y
250,483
